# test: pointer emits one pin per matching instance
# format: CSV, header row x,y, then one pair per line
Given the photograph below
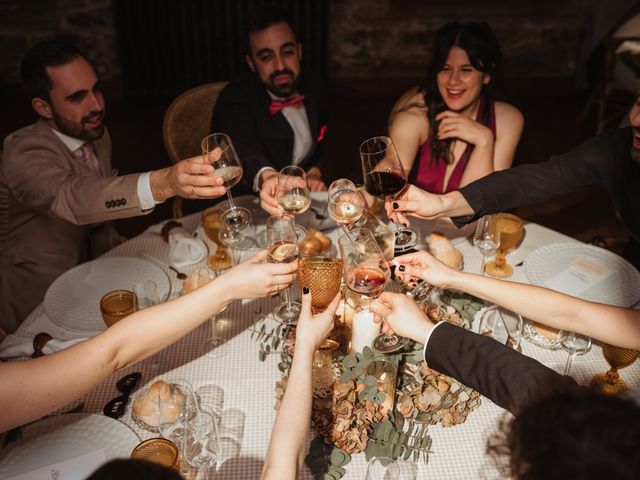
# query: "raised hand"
x,y
457,125
313,329
268,193
189,178
424,266
256,278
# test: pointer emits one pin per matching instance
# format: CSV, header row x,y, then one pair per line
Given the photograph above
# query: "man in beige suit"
x,y
57,188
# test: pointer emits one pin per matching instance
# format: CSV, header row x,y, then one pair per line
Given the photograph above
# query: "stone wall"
x,y
367,38
88,23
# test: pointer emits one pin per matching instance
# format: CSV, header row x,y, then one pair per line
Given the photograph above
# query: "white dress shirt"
x,y
145,196
302,141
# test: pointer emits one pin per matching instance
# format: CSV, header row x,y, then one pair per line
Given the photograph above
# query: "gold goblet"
x,y
610,382
322,276
508,230
220,260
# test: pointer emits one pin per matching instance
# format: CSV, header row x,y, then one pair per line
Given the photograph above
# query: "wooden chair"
x,y
186,122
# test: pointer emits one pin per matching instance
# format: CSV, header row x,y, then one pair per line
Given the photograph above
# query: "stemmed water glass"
x,y
218,151
485,238
282,248
384,177
292,191
575,344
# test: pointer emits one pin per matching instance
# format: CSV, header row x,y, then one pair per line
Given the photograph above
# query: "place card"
x,y
77,468
581,275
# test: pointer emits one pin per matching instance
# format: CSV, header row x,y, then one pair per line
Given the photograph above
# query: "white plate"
x,y
620,288
443,225
72,301
63,437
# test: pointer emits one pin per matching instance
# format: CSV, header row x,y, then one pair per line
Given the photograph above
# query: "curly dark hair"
x,y
577,434
481,45
133,470
262,16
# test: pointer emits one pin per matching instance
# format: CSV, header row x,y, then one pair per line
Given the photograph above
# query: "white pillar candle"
x,y
363,330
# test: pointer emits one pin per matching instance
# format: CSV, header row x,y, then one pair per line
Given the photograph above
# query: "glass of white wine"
x,y
292,191
346,204
282,248
218,151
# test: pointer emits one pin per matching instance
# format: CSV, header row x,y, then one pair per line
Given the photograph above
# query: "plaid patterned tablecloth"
x,y
248,383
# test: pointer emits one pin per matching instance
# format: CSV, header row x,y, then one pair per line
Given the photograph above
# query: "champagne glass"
x,y
508,228
346,205
292,190
214,346
281,238
384,177
485,238
611,383
218,151
575,344
202,442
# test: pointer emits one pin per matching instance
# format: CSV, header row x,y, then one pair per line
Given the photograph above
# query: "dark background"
x,y
369,51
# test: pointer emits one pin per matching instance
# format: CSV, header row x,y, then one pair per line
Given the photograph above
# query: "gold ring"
x,y
193,190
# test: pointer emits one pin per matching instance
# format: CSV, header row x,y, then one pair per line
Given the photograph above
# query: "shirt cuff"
x,y
426,340
256,179
145,196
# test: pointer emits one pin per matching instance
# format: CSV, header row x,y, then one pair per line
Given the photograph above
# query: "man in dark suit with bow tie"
x,y
275,115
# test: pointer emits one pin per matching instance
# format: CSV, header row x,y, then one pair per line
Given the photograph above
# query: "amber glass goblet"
x,y
508,228
610,382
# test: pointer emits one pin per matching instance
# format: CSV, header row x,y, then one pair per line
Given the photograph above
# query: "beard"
x,y
80,130
283,90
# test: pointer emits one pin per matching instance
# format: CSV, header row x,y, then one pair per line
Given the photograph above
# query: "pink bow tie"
x,y
277,105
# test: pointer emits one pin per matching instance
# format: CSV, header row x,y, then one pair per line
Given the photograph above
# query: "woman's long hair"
x,y
481,45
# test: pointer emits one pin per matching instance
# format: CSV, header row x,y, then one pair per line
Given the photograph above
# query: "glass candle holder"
x,y
116,305
386,375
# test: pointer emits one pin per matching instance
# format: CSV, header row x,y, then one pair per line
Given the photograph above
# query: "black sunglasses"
x,y
116,407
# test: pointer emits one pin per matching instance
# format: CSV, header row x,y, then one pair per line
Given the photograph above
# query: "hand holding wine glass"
x,y
384,177
292,192
218,151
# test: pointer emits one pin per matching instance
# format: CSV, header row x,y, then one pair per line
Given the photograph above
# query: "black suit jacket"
x,y
602,161
262,139
508,378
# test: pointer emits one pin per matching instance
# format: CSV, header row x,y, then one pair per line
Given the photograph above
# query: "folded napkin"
x,y
185,250
17,346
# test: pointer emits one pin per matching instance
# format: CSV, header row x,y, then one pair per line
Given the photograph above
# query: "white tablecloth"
x,y
457,452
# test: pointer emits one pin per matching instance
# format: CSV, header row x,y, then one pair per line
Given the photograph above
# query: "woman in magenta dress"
x,y
452,130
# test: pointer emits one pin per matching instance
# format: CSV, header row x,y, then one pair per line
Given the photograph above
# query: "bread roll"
x,y
159,398
315,243
441,248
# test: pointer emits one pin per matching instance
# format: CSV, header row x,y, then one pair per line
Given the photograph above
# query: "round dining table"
x,y
249,382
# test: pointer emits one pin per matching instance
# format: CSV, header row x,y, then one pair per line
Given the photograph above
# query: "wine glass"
x,y
611,383
218,151
214,346
346,205
292,190
575,344
385,236
508,228
384,177
282,248
202,442
146,291
485,238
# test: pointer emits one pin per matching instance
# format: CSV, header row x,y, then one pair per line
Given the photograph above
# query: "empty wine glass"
x,y
282,247
218,151
384,177
146,292
485,238
346,205
292,190
202,442
575,344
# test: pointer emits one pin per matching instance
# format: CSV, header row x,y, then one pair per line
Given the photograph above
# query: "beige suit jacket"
x,y
52,209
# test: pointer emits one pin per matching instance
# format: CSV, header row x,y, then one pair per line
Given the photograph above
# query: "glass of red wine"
x,y
218,151
283,248
384,177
